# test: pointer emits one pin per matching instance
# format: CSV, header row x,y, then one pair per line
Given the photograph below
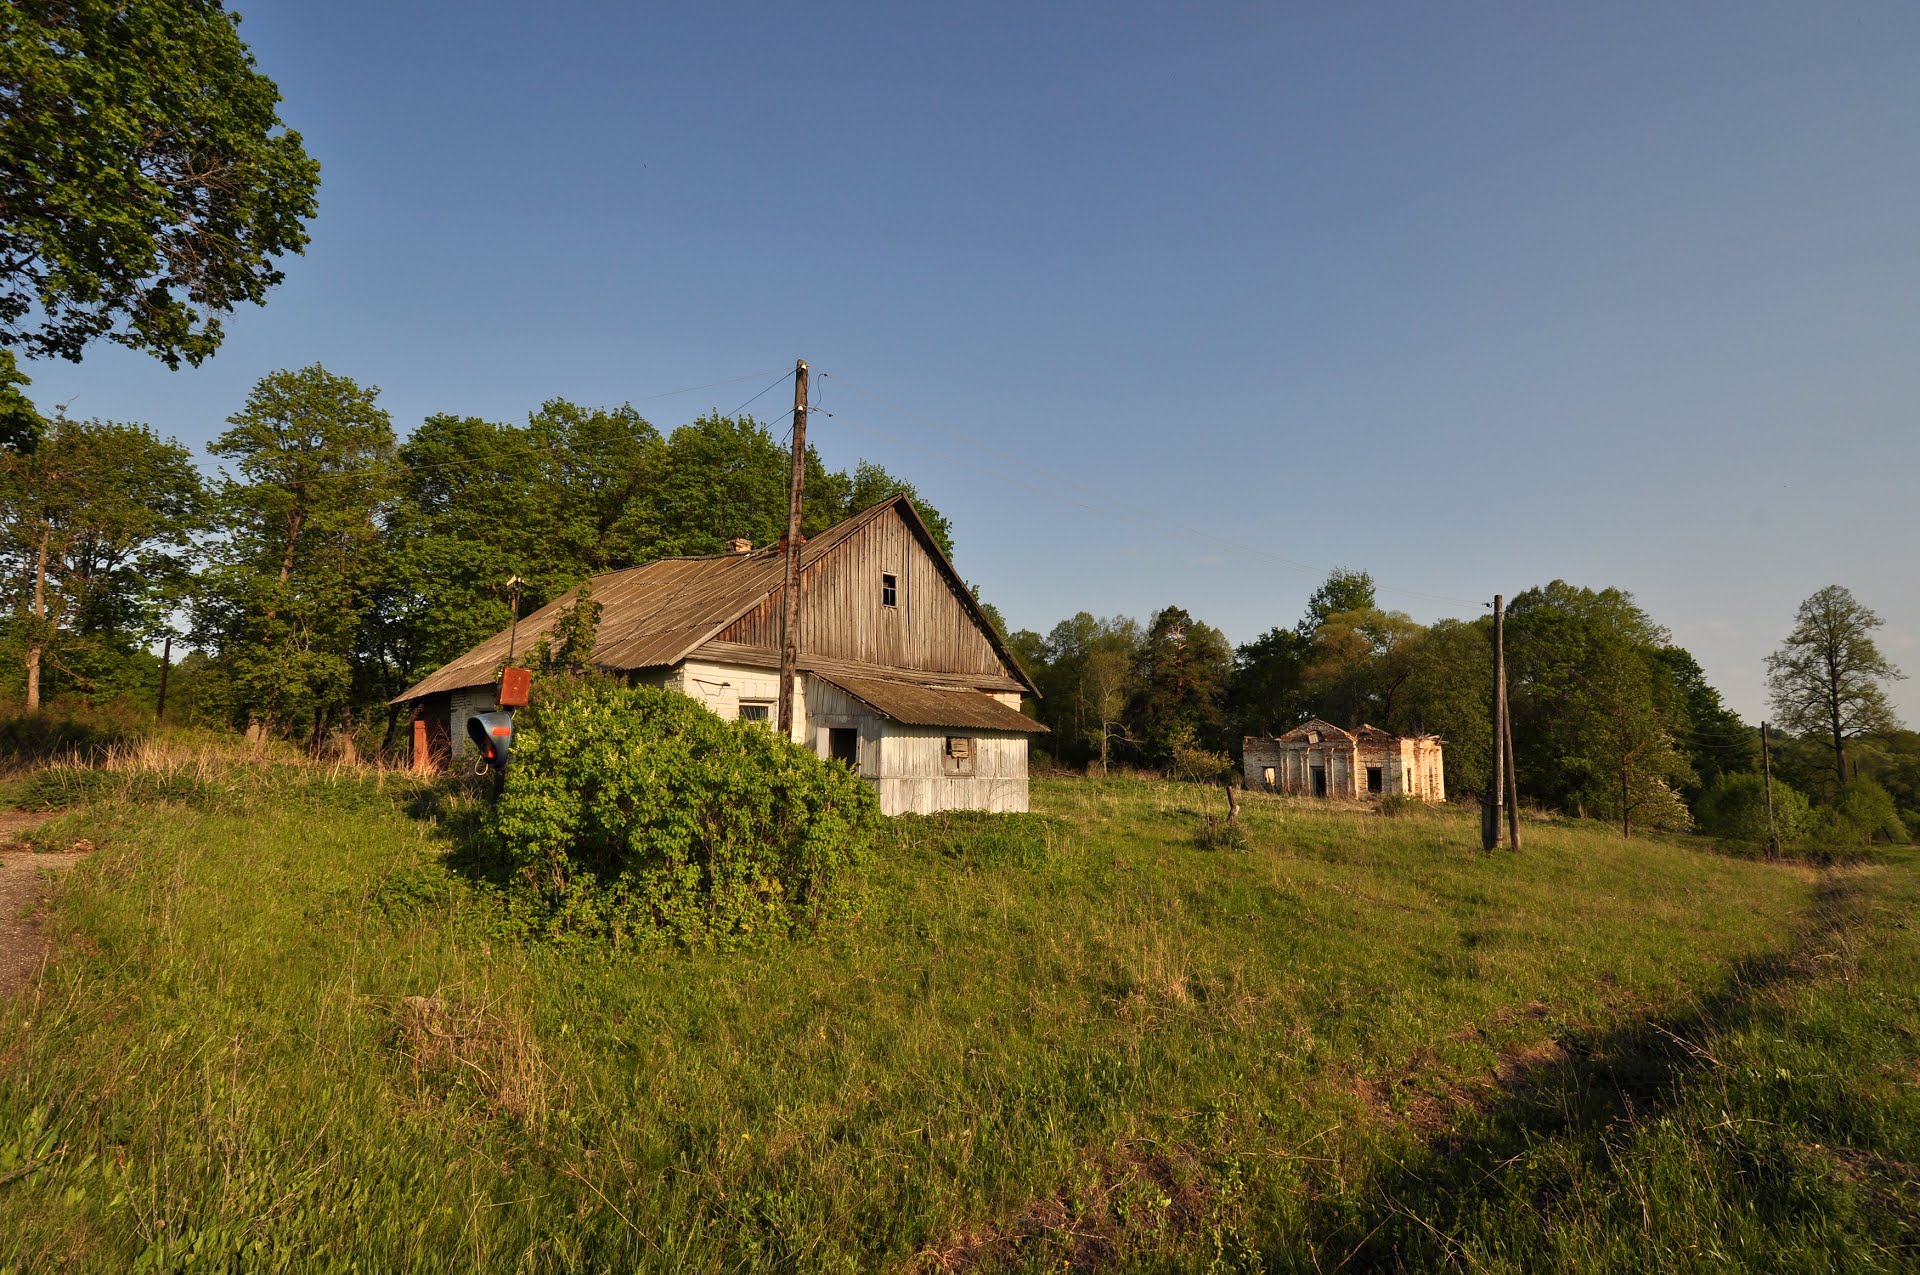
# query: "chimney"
x,y
783,542
737,546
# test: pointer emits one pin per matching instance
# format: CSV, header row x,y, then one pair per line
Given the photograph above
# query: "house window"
x,y
889,591
957,757
843,745
761,712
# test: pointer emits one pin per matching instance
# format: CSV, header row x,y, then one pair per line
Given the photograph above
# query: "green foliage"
x,y
635,814
78,734
21,424
96,527
1180,682
67,787
146,185
1715,742
283,602
1828,678
1266,695
1343,590
567,647
1596,713
1871,811
1734,809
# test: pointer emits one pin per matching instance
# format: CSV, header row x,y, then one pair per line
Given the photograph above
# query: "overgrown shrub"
x,y
635,814
1871,811
1734,809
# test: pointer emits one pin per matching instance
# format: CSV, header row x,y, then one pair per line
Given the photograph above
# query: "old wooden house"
x,y
1318,759
900,676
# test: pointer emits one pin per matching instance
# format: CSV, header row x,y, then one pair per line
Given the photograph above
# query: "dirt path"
x,y
24,884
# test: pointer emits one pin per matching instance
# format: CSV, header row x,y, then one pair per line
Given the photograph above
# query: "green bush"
x,y
634,813
1871,811
1734,809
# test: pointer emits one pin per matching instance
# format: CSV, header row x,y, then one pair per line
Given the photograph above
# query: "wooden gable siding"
x,y
842,617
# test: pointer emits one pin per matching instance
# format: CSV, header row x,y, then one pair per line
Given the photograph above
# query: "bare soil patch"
x,y
25,882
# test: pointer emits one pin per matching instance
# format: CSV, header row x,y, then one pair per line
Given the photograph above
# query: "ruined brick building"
x,y
1318,759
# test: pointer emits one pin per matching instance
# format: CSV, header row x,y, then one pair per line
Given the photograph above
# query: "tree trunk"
x,y
1105,727
40,620
1626,807
1839,736
386,737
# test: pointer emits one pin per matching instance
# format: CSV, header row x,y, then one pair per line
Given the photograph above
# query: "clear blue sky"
x,y
1469,296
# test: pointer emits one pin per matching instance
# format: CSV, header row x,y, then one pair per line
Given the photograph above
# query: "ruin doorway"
x,y
1319,781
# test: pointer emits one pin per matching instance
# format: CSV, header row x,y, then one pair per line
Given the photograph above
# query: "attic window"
x,y
889,591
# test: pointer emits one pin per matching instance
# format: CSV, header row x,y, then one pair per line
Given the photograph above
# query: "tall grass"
x,y
289,1033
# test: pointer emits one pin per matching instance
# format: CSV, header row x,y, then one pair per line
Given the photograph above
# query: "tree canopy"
x,y
1828,677
146,184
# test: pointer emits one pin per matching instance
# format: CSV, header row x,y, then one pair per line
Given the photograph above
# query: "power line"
x,y
782,379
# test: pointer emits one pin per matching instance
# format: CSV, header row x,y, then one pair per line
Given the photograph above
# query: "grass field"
x,y
282,1032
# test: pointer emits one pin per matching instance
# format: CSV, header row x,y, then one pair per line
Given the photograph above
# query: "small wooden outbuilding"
x,y
1318,759
901,675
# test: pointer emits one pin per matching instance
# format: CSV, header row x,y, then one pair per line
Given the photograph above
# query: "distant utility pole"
x,y
790,614
1766,754
1496,783
1506,740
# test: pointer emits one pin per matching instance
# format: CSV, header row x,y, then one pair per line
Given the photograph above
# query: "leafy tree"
x,y
297,571
95,523
1086,676
1343,590
20,422
1716,742
1626,750
567,647
1587,706
1826,678
1448,691
1359,661
146,184
1266,695
1181,678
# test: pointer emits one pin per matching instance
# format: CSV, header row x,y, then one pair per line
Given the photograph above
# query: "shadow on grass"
x,y
1623,1149
455,807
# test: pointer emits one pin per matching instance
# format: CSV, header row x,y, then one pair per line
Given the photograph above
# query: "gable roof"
x,y
1316,724
657,614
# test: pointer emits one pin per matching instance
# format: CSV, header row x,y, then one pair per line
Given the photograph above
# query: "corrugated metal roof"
x,y
656,614
915,704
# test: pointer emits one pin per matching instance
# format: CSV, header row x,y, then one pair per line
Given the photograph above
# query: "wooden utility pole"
x,y
166,663
1506,746
1766,756
1490,821
790,613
